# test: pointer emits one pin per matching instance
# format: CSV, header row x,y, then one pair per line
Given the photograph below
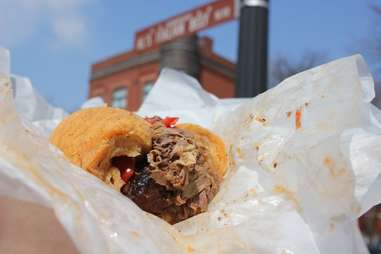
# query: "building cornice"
x,y
124,65
206,60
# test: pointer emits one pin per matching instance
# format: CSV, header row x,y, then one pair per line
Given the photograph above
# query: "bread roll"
x,y
91,137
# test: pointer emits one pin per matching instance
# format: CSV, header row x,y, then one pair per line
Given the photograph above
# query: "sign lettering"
x,y
186,24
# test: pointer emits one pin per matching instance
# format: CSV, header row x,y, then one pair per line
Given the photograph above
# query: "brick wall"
x,y
216,83
216,75
133,79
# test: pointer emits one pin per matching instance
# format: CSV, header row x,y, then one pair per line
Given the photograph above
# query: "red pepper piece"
x,y
170,122
127,174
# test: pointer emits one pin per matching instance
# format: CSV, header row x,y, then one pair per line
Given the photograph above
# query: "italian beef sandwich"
x,y
172,171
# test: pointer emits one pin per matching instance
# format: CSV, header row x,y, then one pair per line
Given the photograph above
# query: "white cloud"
x,y
64,20
71,31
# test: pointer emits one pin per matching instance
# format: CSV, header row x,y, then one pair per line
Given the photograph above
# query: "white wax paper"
x,y
304,166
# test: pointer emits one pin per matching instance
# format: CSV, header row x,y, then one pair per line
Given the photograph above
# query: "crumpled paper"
x,y
304,166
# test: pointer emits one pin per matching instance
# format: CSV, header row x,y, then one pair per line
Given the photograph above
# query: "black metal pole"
x,y
252,51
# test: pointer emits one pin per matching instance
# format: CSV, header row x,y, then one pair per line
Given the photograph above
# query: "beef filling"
x,y
175,181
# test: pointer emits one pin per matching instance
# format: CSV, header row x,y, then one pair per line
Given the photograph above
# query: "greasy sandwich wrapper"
x,y
304,165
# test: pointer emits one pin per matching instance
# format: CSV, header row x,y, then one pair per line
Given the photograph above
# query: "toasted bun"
x,y
213,143
90,138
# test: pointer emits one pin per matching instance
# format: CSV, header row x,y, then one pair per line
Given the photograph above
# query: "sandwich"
x,y
167,169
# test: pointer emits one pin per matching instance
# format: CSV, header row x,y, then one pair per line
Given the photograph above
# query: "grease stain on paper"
x,y
240,154
329,163
288,194
298,119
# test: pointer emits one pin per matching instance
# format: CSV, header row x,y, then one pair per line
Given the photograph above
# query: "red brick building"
x,y
125,79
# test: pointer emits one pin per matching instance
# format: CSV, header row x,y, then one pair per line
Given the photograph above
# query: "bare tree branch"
x,y
283,67
376,9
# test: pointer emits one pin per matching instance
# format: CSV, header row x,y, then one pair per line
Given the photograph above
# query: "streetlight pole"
x,y
252,51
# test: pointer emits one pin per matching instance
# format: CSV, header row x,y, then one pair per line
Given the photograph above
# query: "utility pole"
x,y
252,51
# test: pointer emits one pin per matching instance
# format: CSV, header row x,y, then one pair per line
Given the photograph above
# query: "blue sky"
x,y
54,42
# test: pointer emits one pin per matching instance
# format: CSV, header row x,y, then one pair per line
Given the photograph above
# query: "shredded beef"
x,y
175,182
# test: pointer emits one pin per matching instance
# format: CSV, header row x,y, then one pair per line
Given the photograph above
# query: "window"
x,y
147,88
119,98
